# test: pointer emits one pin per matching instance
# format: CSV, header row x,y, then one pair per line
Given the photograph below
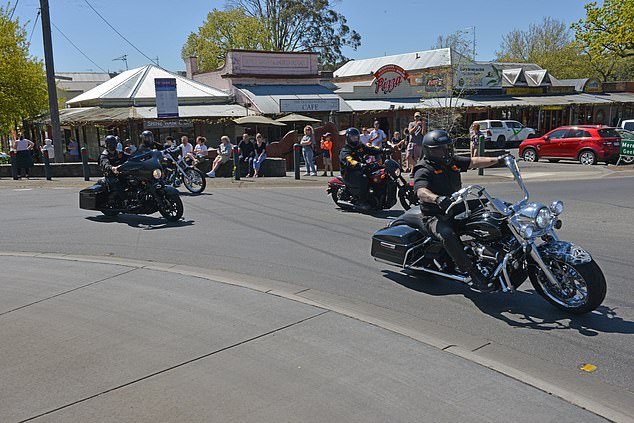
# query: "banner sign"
x,y
309,105
168,123
389,77
477,76
627,148
166,98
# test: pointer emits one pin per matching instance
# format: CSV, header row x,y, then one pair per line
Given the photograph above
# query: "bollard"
x,y
14,168
481,153
84,163
296,159
47,165
236,163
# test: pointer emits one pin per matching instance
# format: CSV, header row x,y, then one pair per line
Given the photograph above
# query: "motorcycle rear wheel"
x,y
194,180
171,207
584,285
336,197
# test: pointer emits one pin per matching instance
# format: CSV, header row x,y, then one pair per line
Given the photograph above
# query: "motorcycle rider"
x,y
437,177
353,164
109,162
146,142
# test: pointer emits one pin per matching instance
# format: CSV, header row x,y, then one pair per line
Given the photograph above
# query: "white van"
x,y
628,124
501,131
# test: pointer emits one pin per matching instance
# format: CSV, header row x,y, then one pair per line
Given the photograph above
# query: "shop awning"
x,y
266,98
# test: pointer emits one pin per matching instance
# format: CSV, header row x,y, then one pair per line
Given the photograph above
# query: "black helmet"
x,y
438,147
353,137
111,143
147,139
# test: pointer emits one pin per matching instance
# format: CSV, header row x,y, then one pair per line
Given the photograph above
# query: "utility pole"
x,y
58,140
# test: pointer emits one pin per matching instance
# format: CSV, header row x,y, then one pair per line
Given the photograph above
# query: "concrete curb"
x,y
576,388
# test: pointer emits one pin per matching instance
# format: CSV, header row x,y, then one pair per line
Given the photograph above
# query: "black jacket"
x,y
109,160
351,157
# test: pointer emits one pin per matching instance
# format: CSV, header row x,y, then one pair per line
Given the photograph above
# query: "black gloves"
x,y
443,203
502,158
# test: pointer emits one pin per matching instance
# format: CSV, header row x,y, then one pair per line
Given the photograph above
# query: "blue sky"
x,y
160,27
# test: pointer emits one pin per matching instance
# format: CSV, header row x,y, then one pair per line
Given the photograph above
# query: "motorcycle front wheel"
x,y
582,286
194,180
407,197
171,207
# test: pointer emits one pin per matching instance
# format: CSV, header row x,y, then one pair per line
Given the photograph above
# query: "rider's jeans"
x,y
442,229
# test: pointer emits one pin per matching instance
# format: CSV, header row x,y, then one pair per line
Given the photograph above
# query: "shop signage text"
x,y
388,77
167,123
309,105
627,148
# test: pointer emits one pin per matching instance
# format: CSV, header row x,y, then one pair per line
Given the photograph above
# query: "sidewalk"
x,y
540,171
106,339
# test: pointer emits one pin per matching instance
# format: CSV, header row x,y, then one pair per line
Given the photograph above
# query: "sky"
x,y
159,28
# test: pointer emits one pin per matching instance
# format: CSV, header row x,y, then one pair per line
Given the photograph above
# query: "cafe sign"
x,y
388,78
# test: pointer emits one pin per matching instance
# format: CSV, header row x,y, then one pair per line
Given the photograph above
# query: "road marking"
x,y
588,368
23,189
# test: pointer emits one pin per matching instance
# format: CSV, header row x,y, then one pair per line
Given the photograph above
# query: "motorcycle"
x,y
178,171
144,191
386,184
508,242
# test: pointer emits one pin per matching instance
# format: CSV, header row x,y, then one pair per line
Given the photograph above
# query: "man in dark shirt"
x,y
352,159
109,162
247,151
436,178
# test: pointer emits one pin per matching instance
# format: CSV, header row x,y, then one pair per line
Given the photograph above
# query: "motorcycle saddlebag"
x,y
93,198
392,243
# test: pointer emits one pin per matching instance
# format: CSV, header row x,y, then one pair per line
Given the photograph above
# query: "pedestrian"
x,y
260,155
377,138
224,155
200,150
474,135
119,145
364,138
169,142
416,133
23,155
396,143
186,148
326,153
129,147
246,151
308,144
73,150
48,146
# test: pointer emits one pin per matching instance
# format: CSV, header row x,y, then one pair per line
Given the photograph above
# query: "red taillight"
x,y
488,133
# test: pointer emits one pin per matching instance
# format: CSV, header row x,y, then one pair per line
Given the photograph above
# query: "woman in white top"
x,y
224,155
23,156
200,151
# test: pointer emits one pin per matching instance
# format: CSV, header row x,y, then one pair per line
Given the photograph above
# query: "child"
x,y
326,149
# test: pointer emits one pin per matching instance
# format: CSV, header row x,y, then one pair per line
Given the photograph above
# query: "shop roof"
x,y
408,61
136,87
119,114
266,98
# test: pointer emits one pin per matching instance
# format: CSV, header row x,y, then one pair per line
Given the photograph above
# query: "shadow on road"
x,y
142,222
522,309
191,194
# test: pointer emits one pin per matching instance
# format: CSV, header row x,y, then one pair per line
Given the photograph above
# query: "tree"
x,y
458,42
23,91
550,45
608,28
303,25
221,31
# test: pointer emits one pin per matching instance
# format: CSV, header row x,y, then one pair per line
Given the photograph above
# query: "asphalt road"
x,y
297,235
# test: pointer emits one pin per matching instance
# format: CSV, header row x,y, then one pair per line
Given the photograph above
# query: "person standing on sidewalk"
x,y
474,135
416,133
377,138
23,155
308,144
326,152
73,150
48,146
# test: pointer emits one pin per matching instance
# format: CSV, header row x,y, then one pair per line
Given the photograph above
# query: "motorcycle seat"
x,y
412,218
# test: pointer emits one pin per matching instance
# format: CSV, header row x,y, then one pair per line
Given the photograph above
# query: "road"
x,y
296,235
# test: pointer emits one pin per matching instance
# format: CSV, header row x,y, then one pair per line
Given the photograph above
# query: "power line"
x,y
78,49
121,35
34,26
13,11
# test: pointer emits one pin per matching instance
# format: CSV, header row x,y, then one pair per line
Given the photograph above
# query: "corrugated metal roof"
x,y
408,61
137,86
267,97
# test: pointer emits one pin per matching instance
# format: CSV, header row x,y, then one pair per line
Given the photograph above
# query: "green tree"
x,y
608,28
23,91
221,31
550,45
458,42
303,25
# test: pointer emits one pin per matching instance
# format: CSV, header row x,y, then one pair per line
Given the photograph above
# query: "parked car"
x,y
586,143
499,132
626,135
628,124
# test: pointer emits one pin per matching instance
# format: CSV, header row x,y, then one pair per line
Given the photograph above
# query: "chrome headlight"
x,y
544,218
526,231
557,207
157,174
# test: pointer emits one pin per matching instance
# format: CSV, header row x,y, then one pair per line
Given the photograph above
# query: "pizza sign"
x,y
388,77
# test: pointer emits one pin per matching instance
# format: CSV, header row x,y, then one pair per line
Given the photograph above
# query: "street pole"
x,y
58,141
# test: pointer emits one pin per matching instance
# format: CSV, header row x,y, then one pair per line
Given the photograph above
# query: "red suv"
x,y
586,143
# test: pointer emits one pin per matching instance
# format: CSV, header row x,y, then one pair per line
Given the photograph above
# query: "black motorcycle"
x,y
143,190
177,171
507,242
386,184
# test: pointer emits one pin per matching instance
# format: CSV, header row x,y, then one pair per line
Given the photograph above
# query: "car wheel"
x,y
587,157
500,142
530,155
